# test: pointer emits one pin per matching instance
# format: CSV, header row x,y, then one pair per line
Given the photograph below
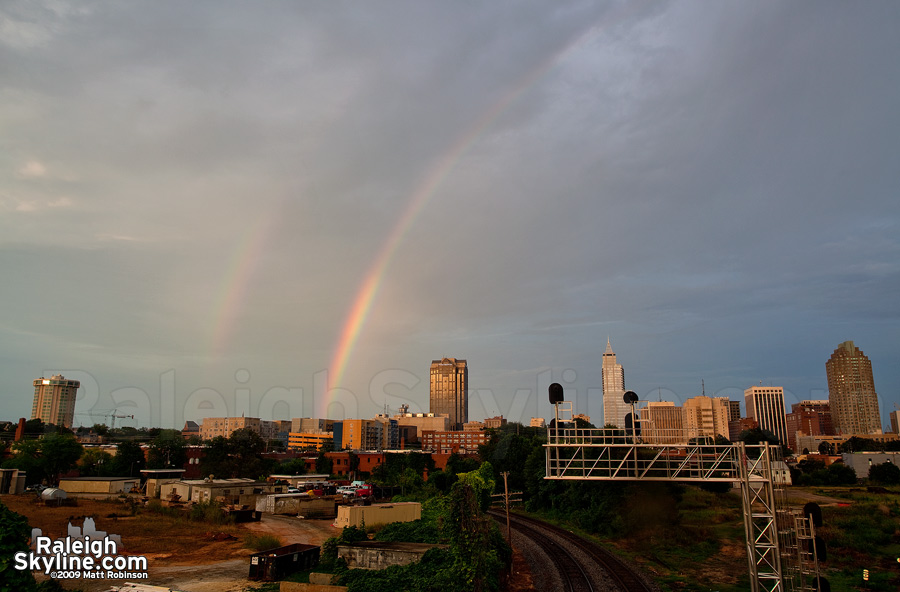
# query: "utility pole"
x,y
507,498
506,503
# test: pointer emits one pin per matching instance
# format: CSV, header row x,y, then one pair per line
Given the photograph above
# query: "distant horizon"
x,y
523,397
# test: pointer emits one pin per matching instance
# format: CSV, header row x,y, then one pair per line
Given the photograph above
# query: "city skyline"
x,y
290,210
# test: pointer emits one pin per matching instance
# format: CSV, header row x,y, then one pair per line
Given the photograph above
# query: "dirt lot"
x,y
181,554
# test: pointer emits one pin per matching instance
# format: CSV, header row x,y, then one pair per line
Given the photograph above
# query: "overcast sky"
x,y
196,197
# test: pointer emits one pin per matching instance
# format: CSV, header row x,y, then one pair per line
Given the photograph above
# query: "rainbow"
x,y
235,283
365,296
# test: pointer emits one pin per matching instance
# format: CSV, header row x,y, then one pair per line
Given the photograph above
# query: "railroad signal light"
x,y
556,393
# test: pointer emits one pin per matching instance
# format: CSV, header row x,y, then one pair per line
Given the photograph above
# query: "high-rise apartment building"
x,y
358,434
706,416
450,390
851,391
765,405
54,400
662,423
614,407
734,408
212,427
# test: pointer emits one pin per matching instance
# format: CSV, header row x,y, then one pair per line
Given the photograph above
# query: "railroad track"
x,y
577,577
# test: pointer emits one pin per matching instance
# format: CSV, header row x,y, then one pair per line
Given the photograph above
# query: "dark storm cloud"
x,y
713,187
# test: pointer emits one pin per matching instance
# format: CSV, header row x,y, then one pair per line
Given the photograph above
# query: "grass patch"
x,y
210,513
264,587
155,506
262,542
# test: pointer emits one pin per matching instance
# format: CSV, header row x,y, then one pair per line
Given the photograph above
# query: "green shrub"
x,y
209,512
262,542
350,534
417,531
155,506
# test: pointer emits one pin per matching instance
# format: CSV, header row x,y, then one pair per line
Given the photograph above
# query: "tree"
x,y
857,444
216,458
95,463
27,458
410,480
47,458
295,466
100,429
809,467
886,473
324,465
237,456
14,534
167,450
247,448
353,462
757,436
840,474
34,426
129,459
473,536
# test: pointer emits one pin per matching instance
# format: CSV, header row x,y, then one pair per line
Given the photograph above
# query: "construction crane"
x,y
111,415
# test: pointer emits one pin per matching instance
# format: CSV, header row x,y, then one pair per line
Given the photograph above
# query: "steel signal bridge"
x,y
780,549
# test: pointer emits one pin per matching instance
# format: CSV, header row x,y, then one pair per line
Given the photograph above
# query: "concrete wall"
x,y
378,514
378,555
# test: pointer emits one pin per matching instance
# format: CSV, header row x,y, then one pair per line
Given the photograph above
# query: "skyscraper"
x,y
765,404
706,416
663,423
851,391
450,390
54,400
614,407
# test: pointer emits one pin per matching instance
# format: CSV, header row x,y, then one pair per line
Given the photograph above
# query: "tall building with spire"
x,y
851,391
450,390
614,407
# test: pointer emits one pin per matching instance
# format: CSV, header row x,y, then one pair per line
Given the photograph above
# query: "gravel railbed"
x,y
545,575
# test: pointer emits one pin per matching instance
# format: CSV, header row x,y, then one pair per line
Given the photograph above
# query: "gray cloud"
x,y
202,188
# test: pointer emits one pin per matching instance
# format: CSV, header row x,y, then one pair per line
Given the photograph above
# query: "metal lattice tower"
x,y
772,534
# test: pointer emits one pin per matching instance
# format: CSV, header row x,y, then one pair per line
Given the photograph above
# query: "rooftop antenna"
x,y
702,388
659,394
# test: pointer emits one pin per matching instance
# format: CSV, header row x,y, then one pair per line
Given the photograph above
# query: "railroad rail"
x,y
576,578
